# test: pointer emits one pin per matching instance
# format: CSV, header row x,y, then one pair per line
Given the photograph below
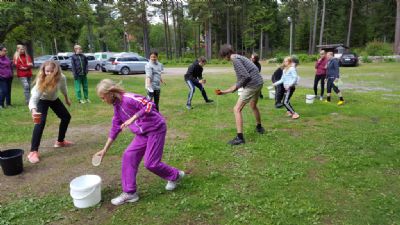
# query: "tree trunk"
x,y
208,39
146,39
228,35
321,33
315,27
397,30
165,22
174,26
310,31
55,46
169,35
350,22
195,41
261,44
266,45
90,37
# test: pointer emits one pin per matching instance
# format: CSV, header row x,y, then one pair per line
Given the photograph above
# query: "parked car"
x,y
126,63
93,63
102,57
62,60
348,59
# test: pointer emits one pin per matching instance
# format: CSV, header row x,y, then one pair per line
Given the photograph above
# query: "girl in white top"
x,y
44,95
289,80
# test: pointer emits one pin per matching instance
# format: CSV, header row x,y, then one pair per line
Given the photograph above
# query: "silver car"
x,y
62,60
93,63
126,63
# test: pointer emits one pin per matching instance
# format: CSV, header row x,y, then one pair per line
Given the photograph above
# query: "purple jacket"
x,y
320,65
6,70
149,120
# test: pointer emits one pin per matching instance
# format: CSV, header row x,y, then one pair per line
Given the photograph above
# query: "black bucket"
x,y
11,161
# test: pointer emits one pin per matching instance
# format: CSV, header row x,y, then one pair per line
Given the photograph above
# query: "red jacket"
x,y
21,63
320,65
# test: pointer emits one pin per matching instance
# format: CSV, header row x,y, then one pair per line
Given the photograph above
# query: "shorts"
x,y
250,94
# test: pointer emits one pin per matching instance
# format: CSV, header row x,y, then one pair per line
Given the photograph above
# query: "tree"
x,y
397,30
314,27
321,32
350,21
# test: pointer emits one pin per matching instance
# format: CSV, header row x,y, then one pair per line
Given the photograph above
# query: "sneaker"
x,y
125,197
189,107
33,157
340,103
209,101
260,130
321,98
236,141
88,101
295,116
171,185
288,113
82,101
63,144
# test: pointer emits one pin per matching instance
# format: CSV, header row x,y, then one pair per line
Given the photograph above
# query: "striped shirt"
x,y
247,73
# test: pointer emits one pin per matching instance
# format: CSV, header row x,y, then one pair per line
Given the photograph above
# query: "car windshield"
x,y
112,59
348,55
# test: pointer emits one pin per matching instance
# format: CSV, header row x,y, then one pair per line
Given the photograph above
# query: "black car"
x,y
348,59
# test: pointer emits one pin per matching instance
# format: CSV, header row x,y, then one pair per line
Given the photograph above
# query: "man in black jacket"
x,y
194,78
79,65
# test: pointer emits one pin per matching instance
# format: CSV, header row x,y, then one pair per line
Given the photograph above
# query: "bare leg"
x,y
237,110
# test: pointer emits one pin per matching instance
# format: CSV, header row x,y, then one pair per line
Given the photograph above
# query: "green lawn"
x,y
334,165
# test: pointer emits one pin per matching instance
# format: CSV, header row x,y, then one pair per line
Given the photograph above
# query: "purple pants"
x,y
151,147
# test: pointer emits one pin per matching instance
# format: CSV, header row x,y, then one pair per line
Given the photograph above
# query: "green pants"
x,y
82,80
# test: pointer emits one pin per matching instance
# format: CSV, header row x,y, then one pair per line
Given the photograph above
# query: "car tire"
x,y
98,67
125,70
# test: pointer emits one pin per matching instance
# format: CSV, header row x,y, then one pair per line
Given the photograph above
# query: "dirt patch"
x,y
320,159
313,174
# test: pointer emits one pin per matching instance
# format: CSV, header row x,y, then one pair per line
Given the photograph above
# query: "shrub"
x,y
365,59
377,48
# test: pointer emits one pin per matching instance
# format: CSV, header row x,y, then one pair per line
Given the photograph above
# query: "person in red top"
x,y
320,74
23,64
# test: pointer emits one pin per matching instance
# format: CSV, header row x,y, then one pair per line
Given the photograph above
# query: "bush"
x,y
389,60
365,59
377,48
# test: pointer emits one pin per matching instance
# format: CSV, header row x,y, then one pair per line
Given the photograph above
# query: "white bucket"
x,y
86,190
310,99
271,94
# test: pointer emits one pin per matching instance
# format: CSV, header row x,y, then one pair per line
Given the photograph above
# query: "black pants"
x,y
286,101
192,85
331,85
5,91
59,109
317,79
279,93
154,96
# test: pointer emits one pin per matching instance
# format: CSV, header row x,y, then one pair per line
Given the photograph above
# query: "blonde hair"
x,y
17,55
111,89
290,61
48,83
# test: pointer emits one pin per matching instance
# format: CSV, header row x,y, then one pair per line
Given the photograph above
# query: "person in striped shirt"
x,y
248,78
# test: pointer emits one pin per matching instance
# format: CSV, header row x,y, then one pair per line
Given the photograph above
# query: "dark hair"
x,y
226,50
153,53
2,47
295,60
202,59
256,57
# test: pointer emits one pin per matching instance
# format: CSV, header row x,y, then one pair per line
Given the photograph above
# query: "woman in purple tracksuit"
x,y
6,77
141,117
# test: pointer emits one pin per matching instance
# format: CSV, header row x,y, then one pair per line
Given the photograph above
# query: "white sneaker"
x,y
171,185
321,98
125,197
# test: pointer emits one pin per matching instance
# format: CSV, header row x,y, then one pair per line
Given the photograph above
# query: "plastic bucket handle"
x,y
91,192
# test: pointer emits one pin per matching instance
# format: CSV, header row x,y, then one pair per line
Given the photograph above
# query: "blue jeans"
x,y
5,91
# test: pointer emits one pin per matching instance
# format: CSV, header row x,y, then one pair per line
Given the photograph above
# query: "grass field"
x,y
334,165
